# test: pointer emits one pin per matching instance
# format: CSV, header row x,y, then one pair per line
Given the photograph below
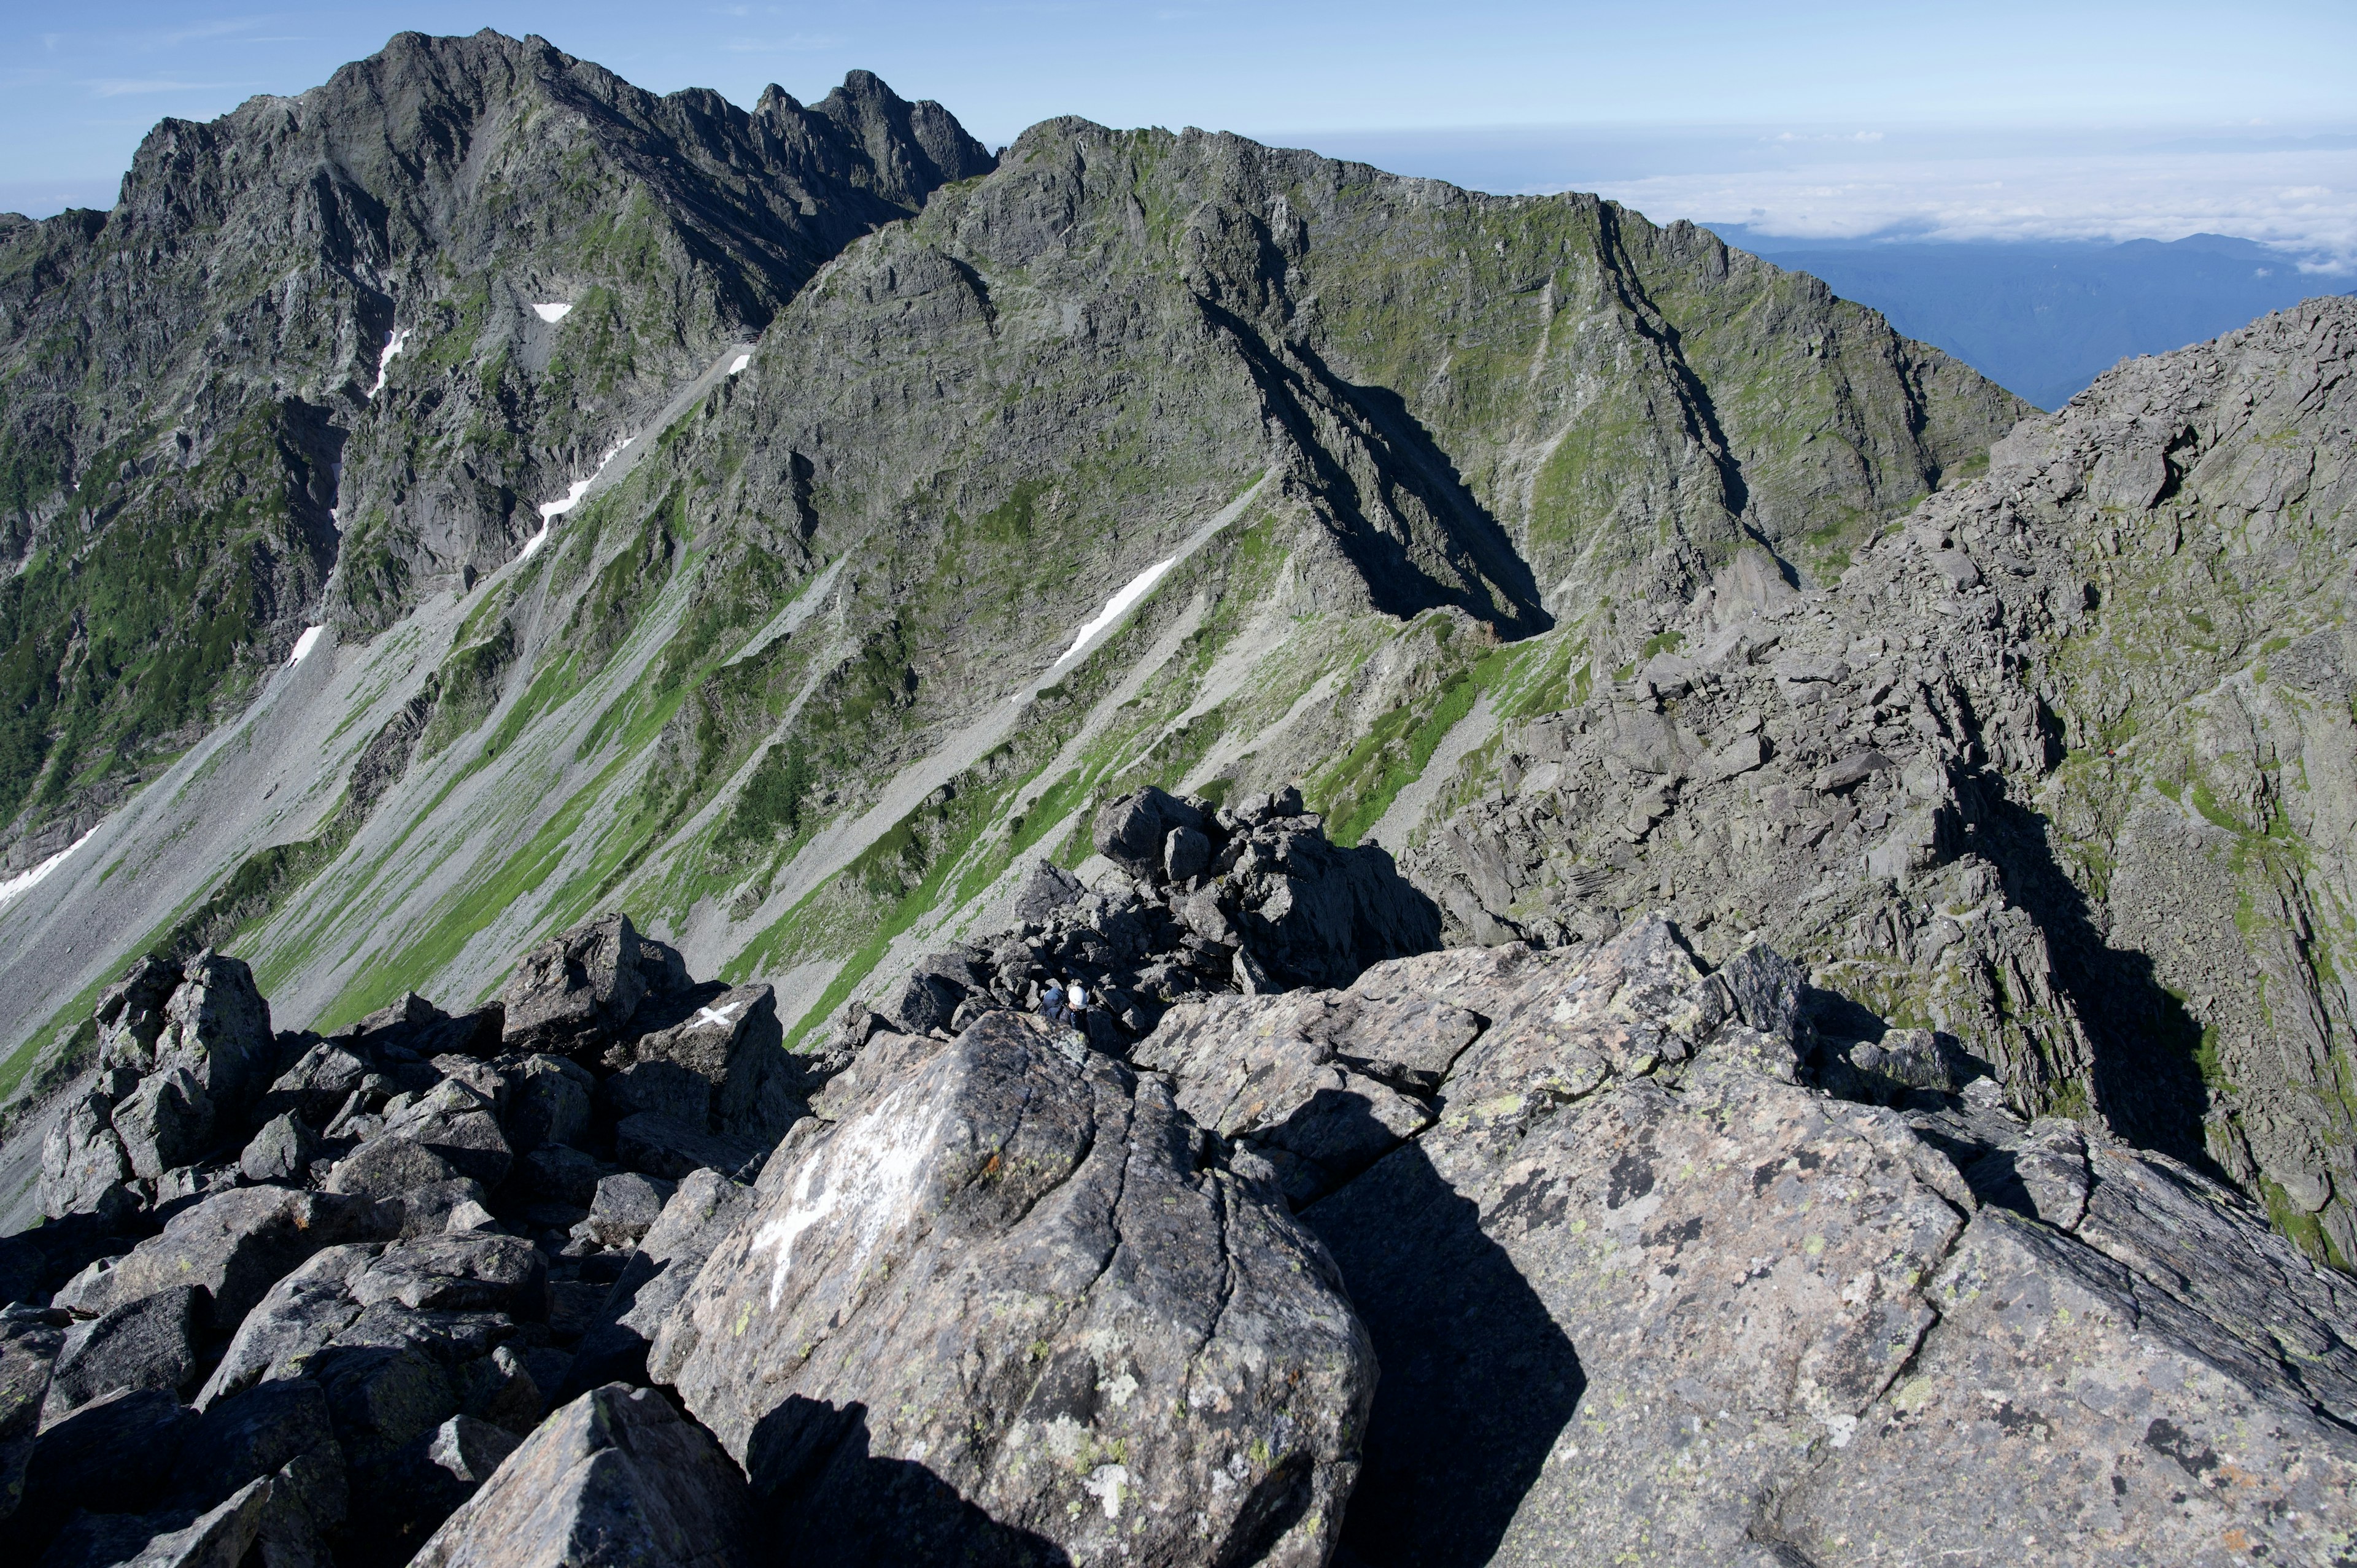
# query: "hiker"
x,y
1051,1003
1077,998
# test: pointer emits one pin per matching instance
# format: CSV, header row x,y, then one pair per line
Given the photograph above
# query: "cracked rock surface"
x,y
1013,1304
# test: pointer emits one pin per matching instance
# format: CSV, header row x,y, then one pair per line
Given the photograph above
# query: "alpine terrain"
x,y
750,837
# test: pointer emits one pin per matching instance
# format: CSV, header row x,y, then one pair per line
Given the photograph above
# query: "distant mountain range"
x,y
2043,320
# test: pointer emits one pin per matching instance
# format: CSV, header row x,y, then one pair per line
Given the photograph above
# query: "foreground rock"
x,y
1013,1303
388,1247
1641,1286
615,1477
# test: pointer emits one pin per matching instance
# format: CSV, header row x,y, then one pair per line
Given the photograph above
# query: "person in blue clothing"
x,y
1052,1005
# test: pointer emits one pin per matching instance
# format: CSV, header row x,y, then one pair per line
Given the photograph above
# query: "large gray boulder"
x,y
234,1245
217,1027
616,1476
1131,829
130,1014
149,1342
1012,1303
575,990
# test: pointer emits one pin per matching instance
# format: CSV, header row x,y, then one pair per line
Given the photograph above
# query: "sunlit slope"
x,y
795,691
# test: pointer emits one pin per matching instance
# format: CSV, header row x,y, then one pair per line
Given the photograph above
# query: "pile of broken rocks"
x,y
1644,1269
1199,897
370,1262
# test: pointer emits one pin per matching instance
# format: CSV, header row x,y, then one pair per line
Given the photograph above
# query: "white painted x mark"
x,y
717,1020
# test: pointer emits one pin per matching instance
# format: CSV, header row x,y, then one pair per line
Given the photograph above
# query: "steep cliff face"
x,y
2062,766
329,354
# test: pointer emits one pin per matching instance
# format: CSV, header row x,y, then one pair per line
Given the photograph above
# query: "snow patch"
x,y
305,643
737,366
551,511
1136,589
385,360
553,311
23,881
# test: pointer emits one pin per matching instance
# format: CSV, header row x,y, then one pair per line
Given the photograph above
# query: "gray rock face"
x,y
2004,772
281,1152
1629,1285
82,1158
149,1342
234,1245
1000,1233
575,990
616,1476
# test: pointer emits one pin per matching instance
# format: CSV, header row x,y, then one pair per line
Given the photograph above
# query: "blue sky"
x,y
1999,119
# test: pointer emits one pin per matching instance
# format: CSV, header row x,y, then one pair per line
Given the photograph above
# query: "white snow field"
x,y
553,311
384,360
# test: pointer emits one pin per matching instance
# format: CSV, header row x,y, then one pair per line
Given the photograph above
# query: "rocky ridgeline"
x,y
1489,1254
2061,765
1199,897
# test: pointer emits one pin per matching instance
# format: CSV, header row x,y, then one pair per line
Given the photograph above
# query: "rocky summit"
x,y
1319,870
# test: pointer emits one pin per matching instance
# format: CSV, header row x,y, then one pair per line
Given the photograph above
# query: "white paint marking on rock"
x,y
1135,590
385,360
23,881
553,311
871,1169
305,643
737,366
717,1019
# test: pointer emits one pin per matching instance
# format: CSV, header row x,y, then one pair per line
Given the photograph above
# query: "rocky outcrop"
x,y
1203,899
1011,1305
1634,1282
2058,768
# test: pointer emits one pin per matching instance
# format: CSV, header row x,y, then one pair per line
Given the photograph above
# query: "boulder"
x,y
281,1152
300,1314
112,1455
146,1343
387,1166
666,1147
921,1003
281,1429
548,1102
220,1537
235,1245
82,1158
217,1028
461,1125
130,1014
1012,1303
166,1122
30,1339
1185,853
669,1256
574,992
624,1207
1131,829
468,1271
1046,888
317,1085
615,1477
1313,913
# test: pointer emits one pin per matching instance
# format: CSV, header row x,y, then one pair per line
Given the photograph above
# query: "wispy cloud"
x,y
123,86
220,27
